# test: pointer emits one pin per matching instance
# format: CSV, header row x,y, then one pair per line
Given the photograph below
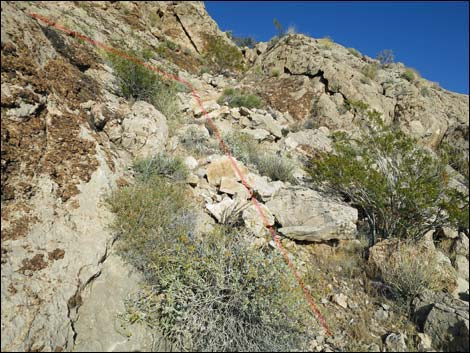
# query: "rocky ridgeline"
x,y
69,139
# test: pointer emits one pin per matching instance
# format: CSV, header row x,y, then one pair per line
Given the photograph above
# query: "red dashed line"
x,y
222,144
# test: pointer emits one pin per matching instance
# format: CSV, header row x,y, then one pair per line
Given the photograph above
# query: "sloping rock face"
x,y
313,80
67,138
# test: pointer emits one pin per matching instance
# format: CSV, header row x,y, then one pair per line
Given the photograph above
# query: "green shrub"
x,y
163,165
137,82
204,292
223,55
401,188
355,52
410,75
370,71
237,98
275,72
386,57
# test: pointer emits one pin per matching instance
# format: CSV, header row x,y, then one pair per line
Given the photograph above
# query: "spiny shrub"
x,y
163,165
223,55
205,292
243,146
401,188
235,97
137,82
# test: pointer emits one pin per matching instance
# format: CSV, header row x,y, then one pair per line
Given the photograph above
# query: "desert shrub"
x,y
196,141
425,92
456,158
237,98
370,71
410,270
137,82
326,42
275,167
355,52
232,215
242,146
410,75
246,149
275,72
163,165
400,188
204,292
223,55
386,57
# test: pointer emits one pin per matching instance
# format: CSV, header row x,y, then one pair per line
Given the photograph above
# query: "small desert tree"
x,y
386,57
401,188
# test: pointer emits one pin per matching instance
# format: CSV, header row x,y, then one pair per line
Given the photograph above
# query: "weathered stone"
x,y
191,162
396,342
257,222
223,167
305,215
341,300
257,134
231,186
444,319
144,130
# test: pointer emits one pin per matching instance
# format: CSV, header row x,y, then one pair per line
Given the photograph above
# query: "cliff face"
x,y
68,138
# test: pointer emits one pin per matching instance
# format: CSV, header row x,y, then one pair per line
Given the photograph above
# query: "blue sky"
x,y
431,37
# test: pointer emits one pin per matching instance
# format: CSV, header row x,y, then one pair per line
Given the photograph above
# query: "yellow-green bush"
x,y
370,71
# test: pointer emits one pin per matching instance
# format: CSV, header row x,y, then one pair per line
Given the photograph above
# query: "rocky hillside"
x,y
71,133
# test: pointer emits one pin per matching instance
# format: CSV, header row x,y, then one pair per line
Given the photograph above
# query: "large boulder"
x,y
444,319
224,167
306,215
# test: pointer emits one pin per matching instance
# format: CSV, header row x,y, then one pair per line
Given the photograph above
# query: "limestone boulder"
x,y
304,214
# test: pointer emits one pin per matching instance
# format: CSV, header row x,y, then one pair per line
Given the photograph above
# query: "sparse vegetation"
x,y
275,72
355,52
370,71
246,149
196,141
241,42
235,97
162,165
280,30
222,55
386,57
409,271
211,292
137,82
401,188
326,42
410,75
